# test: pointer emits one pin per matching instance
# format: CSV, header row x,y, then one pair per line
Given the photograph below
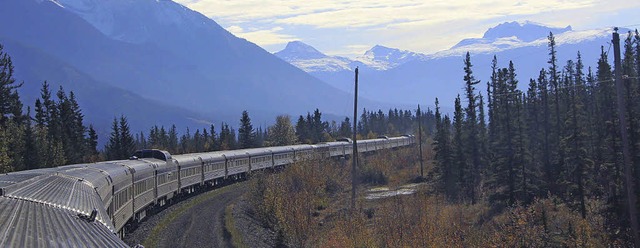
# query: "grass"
x,y
230,227
152,239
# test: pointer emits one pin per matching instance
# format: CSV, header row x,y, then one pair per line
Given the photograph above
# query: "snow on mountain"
x,y
393,75
526,31
310,59
384,58
503,37
296,50
512,35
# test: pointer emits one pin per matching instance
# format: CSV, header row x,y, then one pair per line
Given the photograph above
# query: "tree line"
x,y
558,138
311,129
54,136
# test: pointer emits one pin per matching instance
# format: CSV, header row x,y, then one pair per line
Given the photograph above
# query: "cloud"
x,y
263,38
419,25
364,13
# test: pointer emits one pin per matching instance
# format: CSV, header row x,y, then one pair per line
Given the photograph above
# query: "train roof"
x,y
32,224
63,191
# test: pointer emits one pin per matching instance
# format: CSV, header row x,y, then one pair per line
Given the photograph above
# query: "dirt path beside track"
x,y
194,222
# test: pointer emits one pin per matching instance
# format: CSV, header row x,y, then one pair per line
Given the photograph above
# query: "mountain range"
x,y
160,63
157,62
405,77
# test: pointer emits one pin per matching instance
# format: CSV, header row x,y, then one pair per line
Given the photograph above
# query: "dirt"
x,y
198,221
254,234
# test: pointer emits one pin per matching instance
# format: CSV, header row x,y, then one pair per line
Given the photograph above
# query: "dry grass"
x,y
309,204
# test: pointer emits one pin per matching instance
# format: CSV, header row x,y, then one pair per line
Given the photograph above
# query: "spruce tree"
x,y
459,159
127,141
302,130
172,140
92,145
472,146
113,147
246,134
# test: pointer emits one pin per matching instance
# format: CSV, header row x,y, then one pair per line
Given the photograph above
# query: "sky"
x,y
349,28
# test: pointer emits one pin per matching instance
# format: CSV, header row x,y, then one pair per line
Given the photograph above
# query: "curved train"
x,y
108,197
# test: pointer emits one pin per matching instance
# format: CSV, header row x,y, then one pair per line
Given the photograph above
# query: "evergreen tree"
x,y
121,143
172,139
30,151
345,128
92,145
215,145
186,144
444,171
302,130
246,134
459,158
127,141
577,158
10,104
113,148
472,146
12,125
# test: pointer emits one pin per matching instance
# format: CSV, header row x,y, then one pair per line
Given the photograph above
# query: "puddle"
x,y
384,192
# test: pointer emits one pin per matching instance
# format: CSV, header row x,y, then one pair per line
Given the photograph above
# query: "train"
x,y
112,196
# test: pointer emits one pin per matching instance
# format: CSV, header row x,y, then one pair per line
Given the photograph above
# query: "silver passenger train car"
x,y
117,194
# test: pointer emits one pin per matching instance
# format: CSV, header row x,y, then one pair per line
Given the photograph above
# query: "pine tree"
x,y
92,145
126,138
172,140
12,125
215,144
30,151
577,158
459,159
10,104
345,128
186,143
246,134
472,146
445,174
302,130
113,147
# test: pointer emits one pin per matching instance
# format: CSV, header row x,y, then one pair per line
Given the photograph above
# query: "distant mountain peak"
x,y
526,31
382,57
299,50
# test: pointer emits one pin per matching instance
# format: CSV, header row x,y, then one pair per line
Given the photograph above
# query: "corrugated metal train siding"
x,y
30,224
64,192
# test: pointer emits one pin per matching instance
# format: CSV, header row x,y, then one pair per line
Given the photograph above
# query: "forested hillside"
x,y
561,138
58,136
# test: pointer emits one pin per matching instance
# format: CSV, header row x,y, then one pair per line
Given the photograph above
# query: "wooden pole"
x,y
355,148
419,114
631,197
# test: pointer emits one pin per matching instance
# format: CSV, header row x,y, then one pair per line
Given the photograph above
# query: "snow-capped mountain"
x,y
512,35
310,59
384,58
398,76
379,57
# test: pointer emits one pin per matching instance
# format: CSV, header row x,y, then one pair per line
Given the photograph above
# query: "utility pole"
x,y
355,148
631,197
419,114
